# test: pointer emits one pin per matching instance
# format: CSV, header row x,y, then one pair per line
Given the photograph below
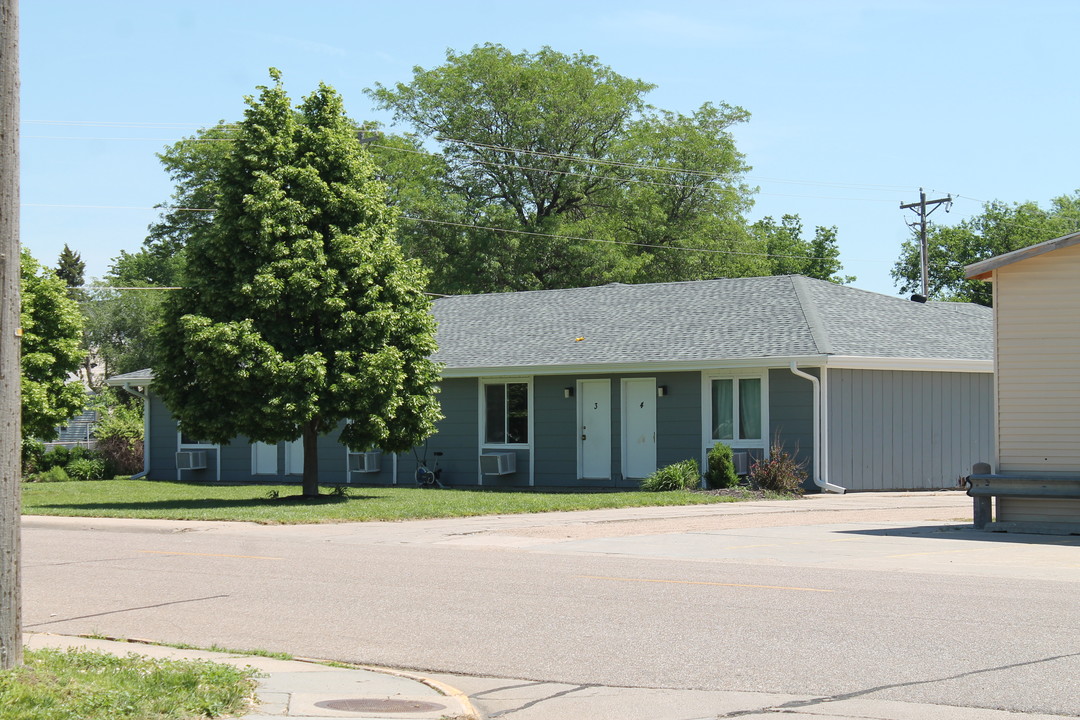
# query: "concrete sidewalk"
x,y
307,690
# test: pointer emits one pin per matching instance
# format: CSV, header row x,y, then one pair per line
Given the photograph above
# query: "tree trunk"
x,y
311,460
10,403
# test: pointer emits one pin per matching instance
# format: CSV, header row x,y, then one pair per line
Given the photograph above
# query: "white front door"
x,y
594,413
639,427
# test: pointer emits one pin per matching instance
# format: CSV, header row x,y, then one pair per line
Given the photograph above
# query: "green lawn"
x,y
273,504
78,684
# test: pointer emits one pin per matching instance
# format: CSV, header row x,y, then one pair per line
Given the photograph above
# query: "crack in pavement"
x,y
799,704
532,703
77,562
123,610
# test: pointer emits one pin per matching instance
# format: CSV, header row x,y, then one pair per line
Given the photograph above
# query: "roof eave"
x,y
983,270
849,362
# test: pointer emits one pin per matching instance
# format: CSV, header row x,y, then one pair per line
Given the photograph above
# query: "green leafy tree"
x,y
119,320
532,145
300,314
119,328
551,144
790,254
999,229
194,164
51,351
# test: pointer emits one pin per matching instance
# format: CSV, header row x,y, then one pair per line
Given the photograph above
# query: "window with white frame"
x,y
506,412
736,415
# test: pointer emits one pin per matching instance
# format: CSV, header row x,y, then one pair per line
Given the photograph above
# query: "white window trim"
x,y
181,445
708,441
482,405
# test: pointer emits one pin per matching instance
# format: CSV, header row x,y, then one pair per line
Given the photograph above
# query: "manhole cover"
x,y
376,705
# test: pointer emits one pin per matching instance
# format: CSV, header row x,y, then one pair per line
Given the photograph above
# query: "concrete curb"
x,y
300,687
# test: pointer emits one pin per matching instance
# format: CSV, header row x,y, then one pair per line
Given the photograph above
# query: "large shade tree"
x,y
568,177
51,351
532,170
300,315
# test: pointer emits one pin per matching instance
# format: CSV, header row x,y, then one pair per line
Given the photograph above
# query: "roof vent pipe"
x,y
918,298
819,440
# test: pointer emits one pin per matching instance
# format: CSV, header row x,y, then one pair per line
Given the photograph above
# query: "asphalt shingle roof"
x,y
707,321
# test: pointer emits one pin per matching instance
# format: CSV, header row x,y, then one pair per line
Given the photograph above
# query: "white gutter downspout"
x,y
146,429
820,437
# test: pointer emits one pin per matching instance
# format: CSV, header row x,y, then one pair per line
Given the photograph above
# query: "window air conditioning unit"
x,y
498,463
364,462
191,460
741,461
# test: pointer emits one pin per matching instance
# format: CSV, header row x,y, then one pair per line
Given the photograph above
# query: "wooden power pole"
x,y
10,403
924,254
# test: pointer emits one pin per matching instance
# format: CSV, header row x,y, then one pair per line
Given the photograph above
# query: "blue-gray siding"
x,y
887,430
791,415
894,430
160,446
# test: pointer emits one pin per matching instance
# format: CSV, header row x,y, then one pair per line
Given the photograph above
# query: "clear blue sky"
x,y
855,105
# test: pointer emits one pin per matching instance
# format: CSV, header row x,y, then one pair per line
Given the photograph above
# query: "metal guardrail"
x,y
983,487
1024,485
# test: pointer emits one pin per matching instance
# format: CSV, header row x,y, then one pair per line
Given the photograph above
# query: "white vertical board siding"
x,y
1037,322
899,430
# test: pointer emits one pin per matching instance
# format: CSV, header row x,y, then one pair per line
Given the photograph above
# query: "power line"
x,y
622,242
569,172
682,171
118,207
537,153
502,230
112,287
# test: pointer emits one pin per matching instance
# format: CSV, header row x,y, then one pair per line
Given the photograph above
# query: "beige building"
x,y
1035,477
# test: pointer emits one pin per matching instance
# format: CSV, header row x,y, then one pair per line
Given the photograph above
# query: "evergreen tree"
x,y
70,268
300,315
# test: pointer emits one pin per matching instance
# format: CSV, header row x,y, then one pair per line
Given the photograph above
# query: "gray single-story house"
x,y
598,387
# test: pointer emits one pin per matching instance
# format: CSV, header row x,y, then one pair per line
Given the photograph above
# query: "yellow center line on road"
x,y
703,582
244,557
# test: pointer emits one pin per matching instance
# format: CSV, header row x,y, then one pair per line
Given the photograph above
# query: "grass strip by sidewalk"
x,y
81,684
281,504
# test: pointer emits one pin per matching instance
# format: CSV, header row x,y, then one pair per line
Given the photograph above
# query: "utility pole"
x,y
10,402
920,209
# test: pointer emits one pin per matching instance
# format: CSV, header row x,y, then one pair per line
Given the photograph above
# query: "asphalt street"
x,y
862,597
